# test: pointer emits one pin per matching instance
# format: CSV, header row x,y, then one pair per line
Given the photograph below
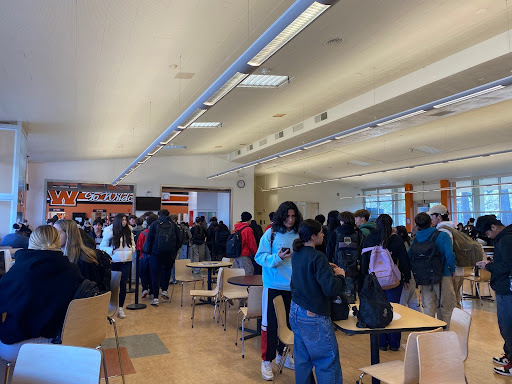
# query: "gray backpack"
x,y
467,251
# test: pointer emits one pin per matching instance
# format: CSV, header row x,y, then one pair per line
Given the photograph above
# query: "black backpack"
x,y
257,230
234,244
167,238
104,270
347,253
426,262
375,311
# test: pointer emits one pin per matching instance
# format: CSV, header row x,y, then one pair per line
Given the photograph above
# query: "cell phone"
x,y
285,250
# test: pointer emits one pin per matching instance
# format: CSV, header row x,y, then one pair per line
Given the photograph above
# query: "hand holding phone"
x,y
284,253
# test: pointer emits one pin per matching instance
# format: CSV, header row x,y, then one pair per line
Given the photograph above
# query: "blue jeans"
x,y
124,268
392,340
504,312
315,346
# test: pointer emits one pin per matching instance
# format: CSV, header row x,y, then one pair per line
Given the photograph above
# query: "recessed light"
x,y
279,115
173,66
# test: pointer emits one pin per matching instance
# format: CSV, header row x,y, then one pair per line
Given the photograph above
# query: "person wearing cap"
x,y
249,247
18,239
501,283
440,220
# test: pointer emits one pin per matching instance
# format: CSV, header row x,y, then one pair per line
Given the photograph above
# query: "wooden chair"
x,y
85,325
440,359
213,294
113,307
251,311
398,371
484,277
460,323
224,259
230,291
183,274
56,364
284,333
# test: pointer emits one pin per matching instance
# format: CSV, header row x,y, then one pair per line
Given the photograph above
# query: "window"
x,y
487,196
386,200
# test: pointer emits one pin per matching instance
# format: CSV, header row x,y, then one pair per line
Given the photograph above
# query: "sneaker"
x,y
120,313
145,293
394,349
505,370
502,360
165,295
383,348
266,370
155,303
289,362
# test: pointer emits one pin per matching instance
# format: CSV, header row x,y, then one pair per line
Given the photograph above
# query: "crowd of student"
x,y
303,261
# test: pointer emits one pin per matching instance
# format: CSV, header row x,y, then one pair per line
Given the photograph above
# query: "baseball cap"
x,y
439,209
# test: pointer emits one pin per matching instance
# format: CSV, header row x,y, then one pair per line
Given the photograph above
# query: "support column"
x,y
446,196
409,208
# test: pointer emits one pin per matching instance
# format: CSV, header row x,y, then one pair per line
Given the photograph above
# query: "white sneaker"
x,y
120,313
145,293
165,295
266,370
289,362
155,303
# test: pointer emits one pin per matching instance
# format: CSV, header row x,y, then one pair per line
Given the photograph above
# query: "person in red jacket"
x,y
249,247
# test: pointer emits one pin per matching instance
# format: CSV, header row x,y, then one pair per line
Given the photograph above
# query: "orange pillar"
x,y
446,196
409,208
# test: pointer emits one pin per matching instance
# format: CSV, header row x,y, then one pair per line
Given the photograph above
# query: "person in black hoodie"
x,y
314,282
344,250
384,236
210,237
501,282
36,292
221,237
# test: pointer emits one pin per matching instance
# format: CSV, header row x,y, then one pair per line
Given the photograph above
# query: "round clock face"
x,y
240,183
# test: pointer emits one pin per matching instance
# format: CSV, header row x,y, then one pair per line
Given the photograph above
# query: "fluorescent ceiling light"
x,y
301,22
146,158
488,90
226,88
264,161
173,135
402,117
428,149
353,133
291,153
264,81
358,162
175,147
317,144
157,148
206,124
198,113
314,182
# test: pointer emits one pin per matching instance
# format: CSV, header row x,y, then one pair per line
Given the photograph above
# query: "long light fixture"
x,y
317,144
206,124
401,117
264,81
458,100
173,136
196,115
226,88
353,133
287,154
301,22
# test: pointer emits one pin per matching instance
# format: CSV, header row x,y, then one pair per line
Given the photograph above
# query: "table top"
x,y
410,320
210,264
246,280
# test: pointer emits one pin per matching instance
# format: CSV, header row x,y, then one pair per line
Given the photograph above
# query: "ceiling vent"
x,y
321,117
427,149
250,147
335,41
442,113
239,152
279,135
298,127
357,162
263,142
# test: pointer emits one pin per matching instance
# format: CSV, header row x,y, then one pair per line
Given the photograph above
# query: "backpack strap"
x,y
368,249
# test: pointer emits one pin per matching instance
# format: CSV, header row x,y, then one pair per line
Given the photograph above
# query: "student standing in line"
x,y
314,282
409,297
274,255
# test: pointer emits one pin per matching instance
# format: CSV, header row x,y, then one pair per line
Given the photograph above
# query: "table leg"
x,y
374,347
209,279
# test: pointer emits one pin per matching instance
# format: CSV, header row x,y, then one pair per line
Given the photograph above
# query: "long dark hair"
x,y
404,235
307,229
384,228
332,220
282,213
119,231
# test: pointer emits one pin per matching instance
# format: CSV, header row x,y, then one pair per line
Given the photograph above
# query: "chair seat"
x,y
203,293
476,279
391,372
244,311
236,295
189,280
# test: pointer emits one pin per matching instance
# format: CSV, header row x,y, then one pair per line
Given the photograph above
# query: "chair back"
x,y
182,272
283,332
485,275
227,259
440,358
228,273
85,324
56,364
115,284
460,323
411,362
254,302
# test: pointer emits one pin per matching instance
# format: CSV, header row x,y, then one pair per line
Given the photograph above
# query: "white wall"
x,y
223,208
179,171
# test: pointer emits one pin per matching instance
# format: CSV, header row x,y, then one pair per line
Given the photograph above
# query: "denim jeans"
x,y
315,346
145,274
392,339
504,312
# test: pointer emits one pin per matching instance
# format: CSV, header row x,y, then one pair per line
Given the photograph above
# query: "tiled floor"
x,y
207,354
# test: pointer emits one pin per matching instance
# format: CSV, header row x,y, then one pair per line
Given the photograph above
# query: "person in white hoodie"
x,y
119,243
274,255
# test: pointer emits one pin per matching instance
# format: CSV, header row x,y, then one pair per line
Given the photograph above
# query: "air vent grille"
x,y
279,135
298,127
250,147
239,152
321,117
263,142
442,113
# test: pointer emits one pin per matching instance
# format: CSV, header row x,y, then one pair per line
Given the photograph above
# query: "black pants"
x,y
124,268
269,340
160,267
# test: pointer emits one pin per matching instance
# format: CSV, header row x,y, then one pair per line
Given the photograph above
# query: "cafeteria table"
x,y
209,265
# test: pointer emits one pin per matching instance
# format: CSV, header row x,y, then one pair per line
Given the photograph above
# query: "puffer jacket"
x,y
121,254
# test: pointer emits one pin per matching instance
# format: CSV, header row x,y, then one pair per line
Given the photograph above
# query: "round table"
x,y
210,265
247,280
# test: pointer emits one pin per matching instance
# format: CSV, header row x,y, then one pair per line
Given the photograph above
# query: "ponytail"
x,y
307,229
297,244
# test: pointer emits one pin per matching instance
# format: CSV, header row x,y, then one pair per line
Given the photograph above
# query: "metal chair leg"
x,y
113,322
172,292
193,309
182,284
7,372
243,336
360,381
104,362
477,285
225,313
237,324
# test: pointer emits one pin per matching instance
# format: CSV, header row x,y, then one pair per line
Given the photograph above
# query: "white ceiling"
x,y
93,77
